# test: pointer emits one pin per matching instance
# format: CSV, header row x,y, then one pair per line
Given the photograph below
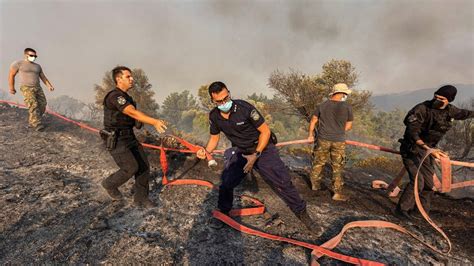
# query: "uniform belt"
x,y
122,131
251,150
125,132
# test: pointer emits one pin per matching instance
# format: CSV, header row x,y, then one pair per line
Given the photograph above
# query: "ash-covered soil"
x,y
53,210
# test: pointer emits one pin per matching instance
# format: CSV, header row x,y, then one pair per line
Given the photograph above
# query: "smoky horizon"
x,y
395,46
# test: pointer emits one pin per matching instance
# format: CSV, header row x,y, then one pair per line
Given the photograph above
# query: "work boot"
x,y
402,215
113,192
270,219
416,215
338,196
39,128
315,186
216,223
140,198
306,220
144,203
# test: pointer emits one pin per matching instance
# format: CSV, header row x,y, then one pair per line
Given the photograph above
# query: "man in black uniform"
x,y
120,116
251,148
425,125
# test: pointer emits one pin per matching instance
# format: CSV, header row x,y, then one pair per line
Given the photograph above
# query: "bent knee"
x,y
143,170
131,168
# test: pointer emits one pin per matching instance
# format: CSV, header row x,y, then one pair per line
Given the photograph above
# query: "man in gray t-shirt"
x,y
333,118
29,74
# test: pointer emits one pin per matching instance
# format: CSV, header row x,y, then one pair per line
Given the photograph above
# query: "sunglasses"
x,y
32,55
226,99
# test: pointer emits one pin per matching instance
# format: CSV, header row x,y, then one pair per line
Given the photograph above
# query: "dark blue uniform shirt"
x,y
114,103
430,124
241,127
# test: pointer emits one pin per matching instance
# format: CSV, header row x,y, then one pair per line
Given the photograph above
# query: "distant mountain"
x,y
406,100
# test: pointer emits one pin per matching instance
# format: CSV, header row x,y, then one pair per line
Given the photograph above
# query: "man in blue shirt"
x,y
251,148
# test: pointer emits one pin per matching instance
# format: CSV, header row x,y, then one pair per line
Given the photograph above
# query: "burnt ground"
x,y
53,210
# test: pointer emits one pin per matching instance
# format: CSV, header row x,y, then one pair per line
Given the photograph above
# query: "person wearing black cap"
x,y
426,124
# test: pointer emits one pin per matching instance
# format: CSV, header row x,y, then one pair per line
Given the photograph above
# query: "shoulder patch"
x,y
121,100
255,115
412,118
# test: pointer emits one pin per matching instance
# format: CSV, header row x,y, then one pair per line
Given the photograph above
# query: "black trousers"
x,y
132,161
412,156
269,166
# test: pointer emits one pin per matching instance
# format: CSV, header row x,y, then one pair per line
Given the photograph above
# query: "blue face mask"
x,y
225,107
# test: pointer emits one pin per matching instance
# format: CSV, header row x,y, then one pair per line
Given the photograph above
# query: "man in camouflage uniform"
x,y
30,74
333,118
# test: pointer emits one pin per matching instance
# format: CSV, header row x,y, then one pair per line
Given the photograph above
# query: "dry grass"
x,y
389,165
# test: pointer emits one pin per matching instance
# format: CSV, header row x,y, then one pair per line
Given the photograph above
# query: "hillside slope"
x,y
53,210
408,99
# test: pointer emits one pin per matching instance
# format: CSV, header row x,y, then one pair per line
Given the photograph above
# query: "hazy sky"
x,y
394,45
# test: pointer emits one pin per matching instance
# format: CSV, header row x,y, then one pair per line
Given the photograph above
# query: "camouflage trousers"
x,y
36,102
324,151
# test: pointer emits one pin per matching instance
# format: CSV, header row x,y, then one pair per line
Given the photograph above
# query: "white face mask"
x,y
344,98
31,58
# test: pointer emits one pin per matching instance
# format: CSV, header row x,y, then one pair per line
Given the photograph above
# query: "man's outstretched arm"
x,y
137,115
210,147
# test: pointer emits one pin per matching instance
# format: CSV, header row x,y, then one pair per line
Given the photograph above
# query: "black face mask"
x,y
437,104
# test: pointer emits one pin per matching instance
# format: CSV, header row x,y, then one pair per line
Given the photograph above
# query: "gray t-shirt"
x,y
28,72
332,118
